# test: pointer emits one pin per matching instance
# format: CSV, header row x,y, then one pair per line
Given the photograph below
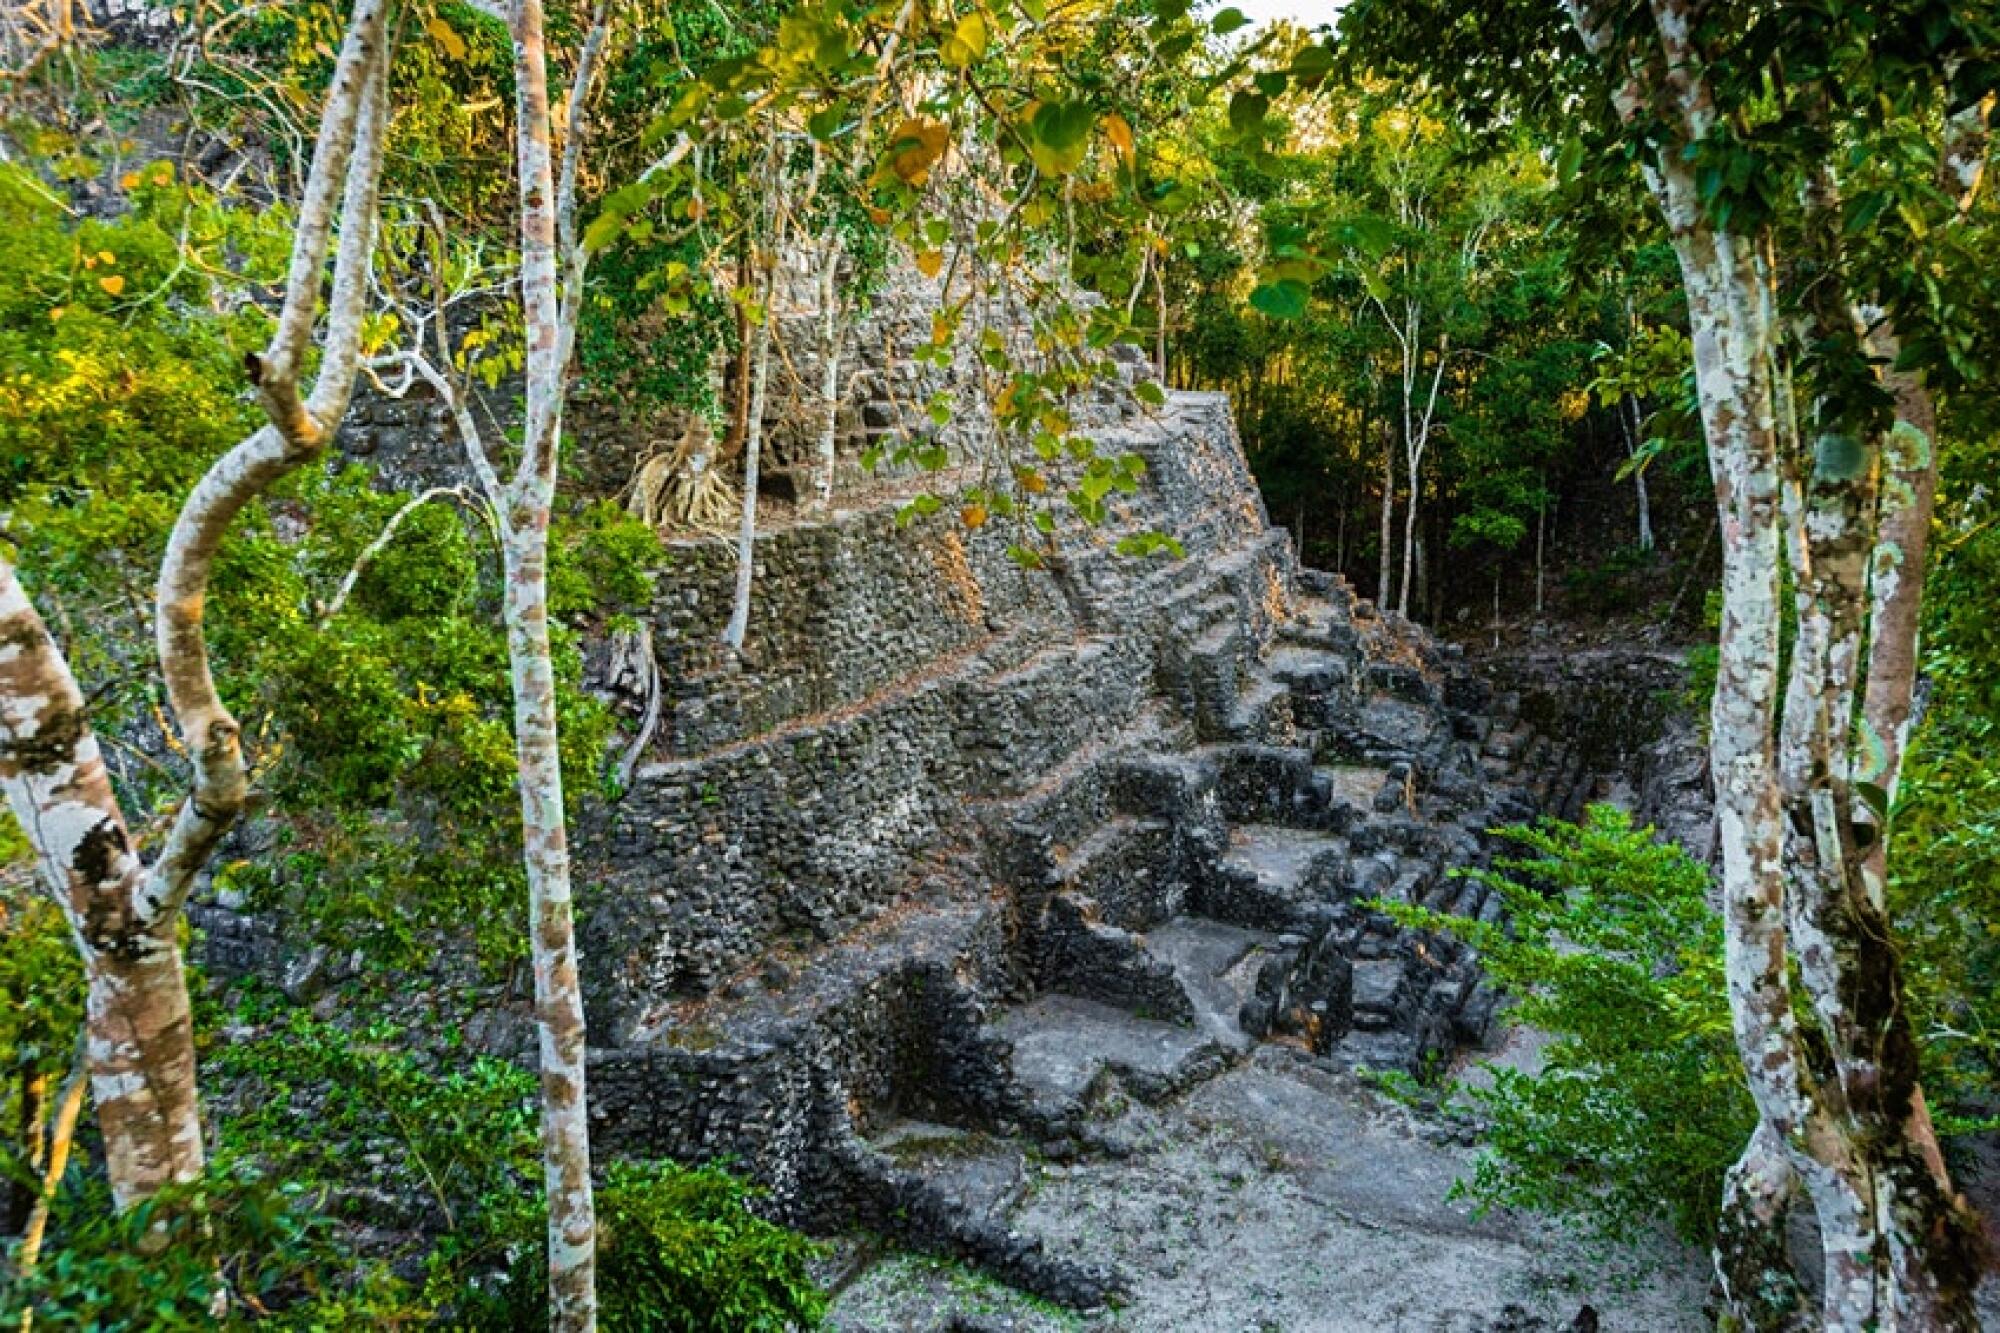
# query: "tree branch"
x,y
377,546
357,106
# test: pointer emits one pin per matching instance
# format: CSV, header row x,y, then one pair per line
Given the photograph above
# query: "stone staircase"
x,y
1126,841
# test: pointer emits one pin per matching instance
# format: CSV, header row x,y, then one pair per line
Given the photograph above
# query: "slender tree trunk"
x,y
829,371
62,1137
739,412
746,537
558,994
1383,590
1909,497
550,323
1630,427
33,1095
1541,548
1409,544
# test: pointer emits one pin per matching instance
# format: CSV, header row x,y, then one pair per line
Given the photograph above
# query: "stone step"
x,y
1389,729
1381,991
1271,877
1264,784
978,1174
1068,1051
1352,787
1217,964
1126,868
1263,712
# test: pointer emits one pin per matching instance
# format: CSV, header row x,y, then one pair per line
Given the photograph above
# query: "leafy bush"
x,y
1639,1105
679,1251
361,1122
227,1251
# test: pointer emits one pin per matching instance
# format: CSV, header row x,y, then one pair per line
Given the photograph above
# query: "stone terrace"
x,y
960,848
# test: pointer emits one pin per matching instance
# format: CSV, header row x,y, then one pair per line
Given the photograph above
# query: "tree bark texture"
x,y
140,1041
1841,1112
525,512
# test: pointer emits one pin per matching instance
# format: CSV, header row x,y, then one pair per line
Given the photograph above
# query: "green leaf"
x,y
1284,299
1246,112
1312,64
1228,21
966,44
1570,160
1059,135
1150,393
825,124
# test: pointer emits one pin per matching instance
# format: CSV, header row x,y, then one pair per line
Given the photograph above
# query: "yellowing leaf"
x,y
1119,131
966,44
113,284
129,181
55,313
106,257
973,516
930,263
453,44
915,148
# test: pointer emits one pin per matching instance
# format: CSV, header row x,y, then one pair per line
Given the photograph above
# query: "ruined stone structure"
x,y
958,845
961,843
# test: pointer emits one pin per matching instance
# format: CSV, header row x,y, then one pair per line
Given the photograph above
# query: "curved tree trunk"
x,y
124,917
139,1028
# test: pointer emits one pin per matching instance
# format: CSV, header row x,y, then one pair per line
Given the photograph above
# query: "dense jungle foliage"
x,y
1454,332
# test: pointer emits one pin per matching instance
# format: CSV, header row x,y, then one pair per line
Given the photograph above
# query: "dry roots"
x,y
682,487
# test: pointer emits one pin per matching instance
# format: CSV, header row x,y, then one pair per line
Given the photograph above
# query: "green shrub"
x,y
231,1250
679,1251
1639,1105
356,1119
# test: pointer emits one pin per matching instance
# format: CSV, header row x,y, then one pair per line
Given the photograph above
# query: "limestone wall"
x,y
891,676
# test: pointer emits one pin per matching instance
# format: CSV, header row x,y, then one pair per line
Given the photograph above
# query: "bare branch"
x,y
574,122
378,545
